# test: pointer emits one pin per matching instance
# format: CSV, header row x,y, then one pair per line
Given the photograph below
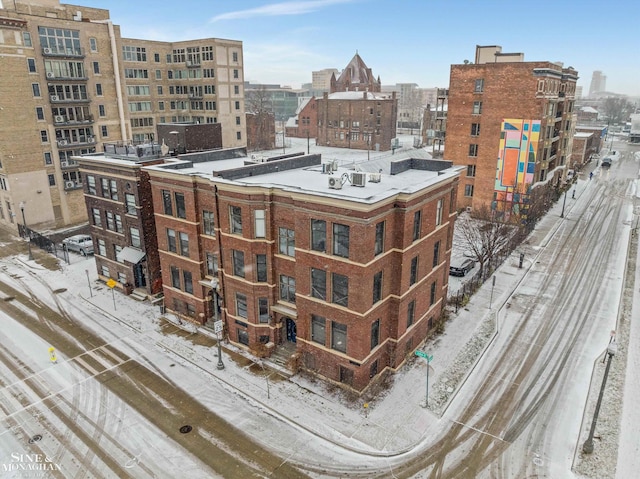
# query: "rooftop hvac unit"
x,y
326,168
47,51
358,179
51,75
334,165
335,183
375,177
69,184
55,98
58,119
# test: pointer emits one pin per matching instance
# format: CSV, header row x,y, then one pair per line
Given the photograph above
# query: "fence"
x,y
43,242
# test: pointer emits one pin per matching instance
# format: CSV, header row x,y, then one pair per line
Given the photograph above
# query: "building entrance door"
x,y
291,330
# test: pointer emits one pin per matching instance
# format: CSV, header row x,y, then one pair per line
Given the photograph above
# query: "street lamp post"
x,y
217,324
587,447
564,202
24,222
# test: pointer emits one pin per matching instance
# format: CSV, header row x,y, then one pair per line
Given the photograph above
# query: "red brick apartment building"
x,y
348,268
510,124
356,114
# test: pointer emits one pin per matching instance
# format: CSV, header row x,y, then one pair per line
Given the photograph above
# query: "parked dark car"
x,y
461,267
606,162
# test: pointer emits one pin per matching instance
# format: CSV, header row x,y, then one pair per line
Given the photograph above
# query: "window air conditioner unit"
x,y
47,51
55,97
335,183
91,139
69,184
375,177
62,142
469,209
51,75
64,164
58,119
358,179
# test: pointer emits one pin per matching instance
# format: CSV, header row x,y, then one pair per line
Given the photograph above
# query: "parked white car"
x,y
82,244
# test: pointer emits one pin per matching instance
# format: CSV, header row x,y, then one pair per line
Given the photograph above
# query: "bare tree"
x,y
484,236
258,102
617,109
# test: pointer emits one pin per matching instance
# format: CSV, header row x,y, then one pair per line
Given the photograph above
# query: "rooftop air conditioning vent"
x,y
335,183
358,179
375,177
58,119
51,75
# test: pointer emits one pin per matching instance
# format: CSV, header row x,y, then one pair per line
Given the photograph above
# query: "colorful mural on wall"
x,y
516,163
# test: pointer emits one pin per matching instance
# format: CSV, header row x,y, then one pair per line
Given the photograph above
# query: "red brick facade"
x,y
307,121
266,256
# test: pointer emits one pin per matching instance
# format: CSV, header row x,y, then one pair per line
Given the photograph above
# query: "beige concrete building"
x,y
69,82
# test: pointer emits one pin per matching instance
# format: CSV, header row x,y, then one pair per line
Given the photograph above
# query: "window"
x,y
318,235
471,170
208,225
318,329
104,131
166,202
238,263
111,224
102,247
135,237
475,129
97,218
261,268
473,149
212,264
287,288
184,244
236,73
117,249
413,273
379,244
236,89
52,179
234,56
44,136
340,289
237,120
259,223
468,190
93,44
339,337
377,287
35,87
31,65
286,241
237,105
477,108
26,36
175,277
341,240
39,113
439,209
417,220
188,281
263,310
411,313
98,89
241,305
319,284
436,254
96,68
432,295
91,184
375,333
235,213
181,211
130,204
479,85
47,158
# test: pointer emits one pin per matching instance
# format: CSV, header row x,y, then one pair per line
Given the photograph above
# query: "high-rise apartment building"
x,y
70,82
510,123
598,83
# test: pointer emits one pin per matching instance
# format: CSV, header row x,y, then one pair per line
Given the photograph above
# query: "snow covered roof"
x,y
356,71
359,95
588,109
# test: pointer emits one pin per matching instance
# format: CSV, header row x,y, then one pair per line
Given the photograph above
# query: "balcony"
x,y
82,141
57,77
62,99
63,52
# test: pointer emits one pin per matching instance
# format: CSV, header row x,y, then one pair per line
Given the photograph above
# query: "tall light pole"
x,y
24,222
587,447
217,324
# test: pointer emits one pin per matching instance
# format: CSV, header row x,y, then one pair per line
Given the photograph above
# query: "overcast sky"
x,y
407,41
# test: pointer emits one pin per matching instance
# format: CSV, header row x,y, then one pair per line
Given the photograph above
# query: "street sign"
x,y
111,283
217,326
52,355
422,354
